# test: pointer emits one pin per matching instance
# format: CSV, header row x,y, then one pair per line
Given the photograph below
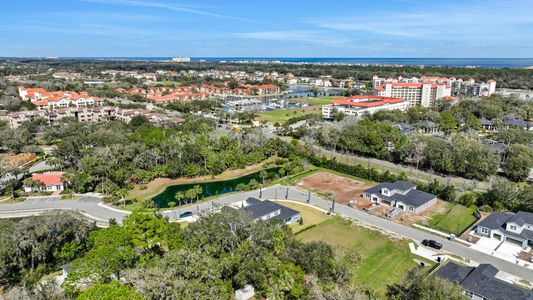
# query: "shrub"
x,y
485,208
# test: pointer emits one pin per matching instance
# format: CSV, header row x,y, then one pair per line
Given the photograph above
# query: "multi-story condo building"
x,y
425,90
45,100
89,114
424,94
360,105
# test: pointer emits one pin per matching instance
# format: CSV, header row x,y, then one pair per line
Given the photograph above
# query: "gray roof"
x,y
414,197
485,122
522,218
482,281
257,208
516,122
426,124
497,221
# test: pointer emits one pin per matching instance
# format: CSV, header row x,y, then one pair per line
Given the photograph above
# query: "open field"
x,y
281,116
311,216
316,100
383,261
343,188
455,219
158,185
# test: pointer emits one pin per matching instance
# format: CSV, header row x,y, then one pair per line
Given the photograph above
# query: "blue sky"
x,y
275,28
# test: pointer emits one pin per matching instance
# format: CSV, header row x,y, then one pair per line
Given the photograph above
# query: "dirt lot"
x,y
343,188
346,190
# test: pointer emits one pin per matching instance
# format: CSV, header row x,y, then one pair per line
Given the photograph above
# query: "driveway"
x,y
486,245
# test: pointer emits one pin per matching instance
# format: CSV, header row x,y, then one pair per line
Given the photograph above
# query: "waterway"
x,y
209,188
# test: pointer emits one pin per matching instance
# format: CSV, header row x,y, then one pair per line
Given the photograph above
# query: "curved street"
x,y
91,207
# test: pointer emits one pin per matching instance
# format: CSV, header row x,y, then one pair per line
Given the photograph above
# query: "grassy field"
x,y
384,261
456,219
316,100
281,116
311,216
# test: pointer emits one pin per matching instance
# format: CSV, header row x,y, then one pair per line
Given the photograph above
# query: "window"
x,y
512,227
484,230
411,208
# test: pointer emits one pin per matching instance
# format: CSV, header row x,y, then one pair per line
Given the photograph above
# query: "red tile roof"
x,y
52,178
367,101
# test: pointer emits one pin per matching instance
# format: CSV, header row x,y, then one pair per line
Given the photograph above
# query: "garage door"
x,y
386,202
514,241
497,236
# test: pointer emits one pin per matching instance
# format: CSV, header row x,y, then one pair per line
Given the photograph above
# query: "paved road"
x,y
88,205
40,167
281,192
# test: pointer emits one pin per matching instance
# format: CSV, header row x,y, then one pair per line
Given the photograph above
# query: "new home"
x,y
265,210
482,282
402,195
513,228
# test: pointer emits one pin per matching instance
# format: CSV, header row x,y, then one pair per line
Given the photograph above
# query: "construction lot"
x,y
346,190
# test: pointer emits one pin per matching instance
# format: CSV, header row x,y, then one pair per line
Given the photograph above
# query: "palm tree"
x,y
179,197
198,191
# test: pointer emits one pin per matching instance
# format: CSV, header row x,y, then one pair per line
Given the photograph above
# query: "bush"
x,y
485,208
148,203
171,204
467,199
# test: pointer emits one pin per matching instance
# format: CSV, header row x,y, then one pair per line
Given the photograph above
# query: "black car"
x,y
432,244
185,214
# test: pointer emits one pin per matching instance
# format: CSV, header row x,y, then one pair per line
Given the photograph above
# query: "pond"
x,y
210,188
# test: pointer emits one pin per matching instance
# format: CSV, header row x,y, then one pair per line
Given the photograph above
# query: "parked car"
x,y
185,214
432,244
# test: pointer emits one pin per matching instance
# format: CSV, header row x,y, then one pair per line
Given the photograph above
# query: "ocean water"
x,y
459,62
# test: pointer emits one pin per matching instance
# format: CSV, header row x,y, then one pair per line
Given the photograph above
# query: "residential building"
x,y
402,195
480,89
425,90
89,114
51,181
517,122
360,105
482,282
424,94
509,227
266,89
45,100
427,127
487,125
266,210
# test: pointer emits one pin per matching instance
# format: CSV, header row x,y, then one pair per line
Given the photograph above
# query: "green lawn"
x,y
384,261
280,116
310,216
456,219
316,100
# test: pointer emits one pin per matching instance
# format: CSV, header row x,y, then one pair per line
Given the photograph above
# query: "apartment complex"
x,y
89,114
426,90
360,105
424,94
45,100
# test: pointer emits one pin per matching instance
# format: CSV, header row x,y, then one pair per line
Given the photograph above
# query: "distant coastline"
x,y
445,62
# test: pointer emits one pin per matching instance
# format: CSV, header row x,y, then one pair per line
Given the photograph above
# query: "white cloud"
x,y
168,6
486,20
